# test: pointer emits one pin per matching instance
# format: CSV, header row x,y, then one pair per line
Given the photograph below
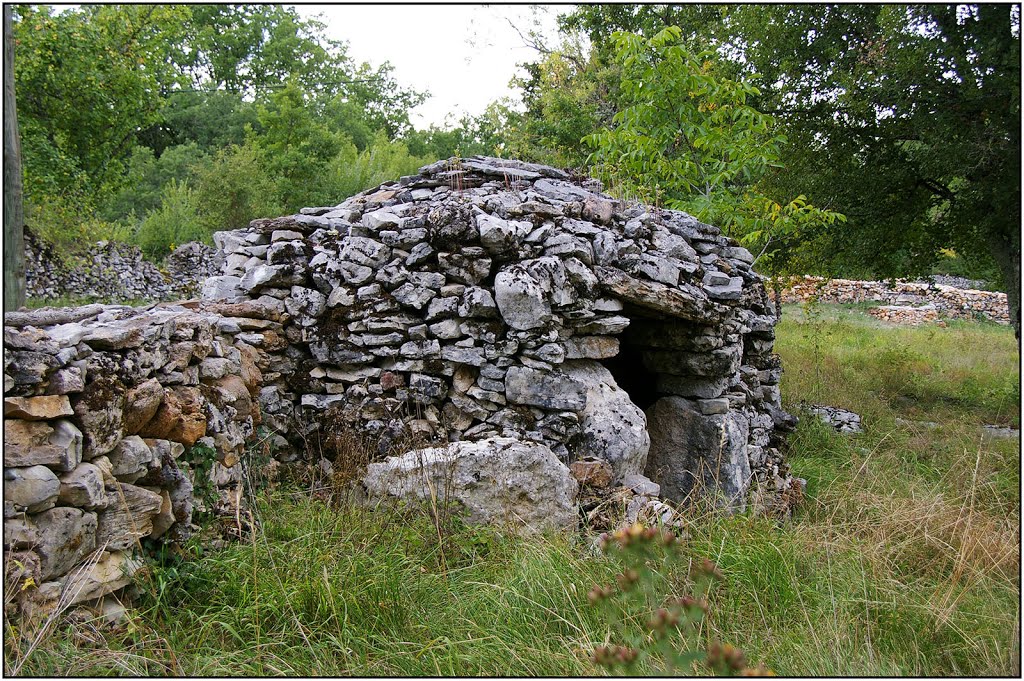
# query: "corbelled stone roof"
x,y
486,297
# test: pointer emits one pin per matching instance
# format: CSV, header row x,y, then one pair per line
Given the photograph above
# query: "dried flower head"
x,y
726,657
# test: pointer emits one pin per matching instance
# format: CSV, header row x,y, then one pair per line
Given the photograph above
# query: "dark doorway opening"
x,y
629,372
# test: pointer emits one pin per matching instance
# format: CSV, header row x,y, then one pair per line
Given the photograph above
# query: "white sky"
x,y
463,55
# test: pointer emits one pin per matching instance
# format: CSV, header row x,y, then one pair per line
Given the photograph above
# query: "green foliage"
x,y
69,221
173,93
210,119
295,148
199,460
684,136
687,138
235,188
147,177
974,266
351,172
81,92
901,118
485,134
567,95
906,100
670,640
175,222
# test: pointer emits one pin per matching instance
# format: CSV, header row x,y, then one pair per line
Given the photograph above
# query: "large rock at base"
x,y
497,480
66,536
614,428
696,453
111,572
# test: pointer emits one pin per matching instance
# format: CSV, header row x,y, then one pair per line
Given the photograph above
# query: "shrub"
x,y
68,221
235,189
351,172
175,222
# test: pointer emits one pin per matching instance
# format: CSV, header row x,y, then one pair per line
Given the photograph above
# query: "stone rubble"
x,y
113,271
843,420
906,314
948,301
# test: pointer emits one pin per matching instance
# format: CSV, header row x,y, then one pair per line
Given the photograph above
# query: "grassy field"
x,y
903,559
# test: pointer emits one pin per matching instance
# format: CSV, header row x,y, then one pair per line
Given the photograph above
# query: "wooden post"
x,y
14,213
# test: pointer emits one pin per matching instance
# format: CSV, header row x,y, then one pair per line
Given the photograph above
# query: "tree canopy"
x,y
903,118
857,140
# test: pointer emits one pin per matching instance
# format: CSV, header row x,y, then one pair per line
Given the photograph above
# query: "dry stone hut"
x,y
528,319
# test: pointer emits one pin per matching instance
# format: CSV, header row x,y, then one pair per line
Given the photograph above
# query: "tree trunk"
x,y
14,214
1008,260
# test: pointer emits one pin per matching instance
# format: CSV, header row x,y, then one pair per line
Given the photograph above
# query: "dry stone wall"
x,y
948,301
542,336
119,423
486,298
116,272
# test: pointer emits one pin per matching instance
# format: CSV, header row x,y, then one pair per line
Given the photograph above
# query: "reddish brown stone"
x,y
233,392
141,404
390,380
180,418
273,341
592,472
251,373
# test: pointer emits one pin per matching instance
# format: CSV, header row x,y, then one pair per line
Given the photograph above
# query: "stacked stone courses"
x,y
488,298
509,314
948,301
100,405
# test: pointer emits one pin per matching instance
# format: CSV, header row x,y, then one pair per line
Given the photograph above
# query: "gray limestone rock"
x,y
550,390
66,536
130,459
497,480
83,487
692,452
614,428
34,489
520,299
128,516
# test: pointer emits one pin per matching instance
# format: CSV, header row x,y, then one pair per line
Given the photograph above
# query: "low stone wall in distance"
x,y
949,302
116,272
119,424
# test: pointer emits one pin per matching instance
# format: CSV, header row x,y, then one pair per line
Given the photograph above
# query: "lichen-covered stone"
x,y
57,444
614,429
498,480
